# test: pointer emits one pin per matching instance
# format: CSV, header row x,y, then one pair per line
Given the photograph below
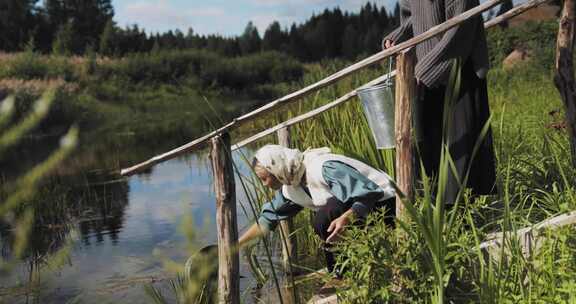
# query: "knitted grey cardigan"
x,y
434,56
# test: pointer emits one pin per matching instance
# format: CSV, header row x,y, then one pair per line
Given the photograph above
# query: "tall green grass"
x,y
535,179
438,261
16,211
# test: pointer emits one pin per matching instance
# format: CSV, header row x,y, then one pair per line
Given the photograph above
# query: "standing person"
x,y
339,189
470,112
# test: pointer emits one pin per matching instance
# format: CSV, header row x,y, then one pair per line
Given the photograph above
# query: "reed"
x,y
15,195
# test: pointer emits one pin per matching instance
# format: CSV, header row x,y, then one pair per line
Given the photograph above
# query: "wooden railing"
x,y
221,146
368,62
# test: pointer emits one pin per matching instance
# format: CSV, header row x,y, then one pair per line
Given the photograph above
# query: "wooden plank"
x,y
367,62
529,238
331,299
289,244
227,227
564,74
405,96
175,153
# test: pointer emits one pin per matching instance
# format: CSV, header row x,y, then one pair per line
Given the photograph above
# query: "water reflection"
x,y
125,229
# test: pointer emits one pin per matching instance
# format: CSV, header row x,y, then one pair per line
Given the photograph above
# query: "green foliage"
x,y
106,39
250,40
123,96
439,249
16,20
237,74
30,66
63,43
538,38
15,195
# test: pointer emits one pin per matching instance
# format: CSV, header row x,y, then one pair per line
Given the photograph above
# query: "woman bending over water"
x,y
337,188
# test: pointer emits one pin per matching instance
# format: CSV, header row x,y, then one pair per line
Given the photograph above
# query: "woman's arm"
x,y
271,214
252,233
404,31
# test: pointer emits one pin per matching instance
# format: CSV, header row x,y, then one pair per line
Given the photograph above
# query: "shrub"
x,y
539,38
29,65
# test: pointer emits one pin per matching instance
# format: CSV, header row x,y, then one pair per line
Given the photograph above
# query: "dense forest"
x,y
65,27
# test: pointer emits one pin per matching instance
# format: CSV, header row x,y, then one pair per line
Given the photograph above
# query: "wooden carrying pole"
x,y
405,96
311,114
228,260
564,76
289,242
370,61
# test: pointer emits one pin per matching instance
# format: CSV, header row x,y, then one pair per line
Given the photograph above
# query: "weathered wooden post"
x,y
289,245
405,94
564,76
228,260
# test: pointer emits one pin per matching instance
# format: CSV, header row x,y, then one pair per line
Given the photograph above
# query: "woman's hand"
x,y
255,231
338,225
387,44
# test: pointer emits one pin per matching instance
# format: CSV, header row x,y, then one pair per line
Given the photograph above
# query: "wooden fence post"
x,y
289,246
564,76
228,260
405,94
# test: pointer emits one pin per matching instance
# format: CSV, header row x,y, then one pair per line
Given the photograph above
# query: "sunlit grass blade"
x,y
40,110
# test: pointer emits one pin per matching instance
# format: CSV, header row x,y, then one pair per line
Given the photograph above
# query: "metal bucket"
x,y
378,104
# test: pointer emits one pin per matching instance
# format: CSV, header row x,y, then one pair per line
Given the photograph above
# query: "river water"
x,y
121,230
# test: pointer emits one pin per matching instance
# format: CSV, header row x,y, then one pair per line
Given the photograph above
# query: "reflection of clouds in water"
x,y
153,220
178,172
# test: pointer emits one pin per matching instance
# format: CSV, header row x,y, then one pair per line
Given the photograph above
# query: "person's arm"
x,y
404,31
252,233
351,187
457,42
271,214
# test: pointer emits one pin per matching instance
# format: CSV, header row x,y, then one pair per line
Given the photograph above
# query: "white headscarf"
x,y
287,165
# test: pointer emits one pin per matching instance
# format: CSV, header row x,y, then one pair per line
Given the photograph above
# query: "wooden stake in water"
x,y
405,94
289,246
224,188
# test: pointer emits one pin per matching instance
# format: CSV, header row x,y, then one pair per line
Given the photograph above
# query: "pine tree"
x,y
396,18
88,16
62,44
156,47
272,37
250,40
107,39
16,23
350,47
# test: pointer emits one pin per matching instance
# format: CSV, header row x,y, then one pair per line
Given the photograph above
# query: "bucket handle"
x,y
389,78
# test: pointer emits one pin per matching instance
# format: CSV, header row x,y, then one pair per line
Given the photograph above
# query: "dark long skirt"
x,y
470,113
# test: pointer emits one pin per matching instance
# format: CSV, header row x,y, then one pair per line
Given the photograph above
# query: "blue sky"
x,y
226,17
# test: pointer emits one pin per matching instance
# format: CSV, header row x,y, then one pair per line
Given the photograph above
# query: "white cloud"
x,y
164,14
207,12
